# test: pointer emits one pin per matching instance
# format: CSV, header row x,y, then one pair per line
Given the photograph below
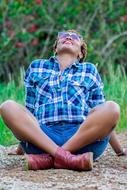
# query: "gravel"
x,y
109,173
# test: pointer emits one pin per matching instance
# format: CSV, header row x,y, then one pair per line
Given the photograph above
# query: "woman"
x,y
66,123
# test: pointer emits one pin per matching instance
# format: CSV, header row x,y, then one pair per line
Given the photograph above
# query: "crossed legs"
x,y
99,123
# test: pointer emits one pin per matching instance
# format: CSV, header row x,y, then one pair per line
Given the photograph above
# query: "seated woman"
x,y
66,123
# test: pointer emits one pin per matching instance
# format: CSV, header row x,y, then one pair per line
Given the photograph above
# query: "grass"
x,y
13,92
115,89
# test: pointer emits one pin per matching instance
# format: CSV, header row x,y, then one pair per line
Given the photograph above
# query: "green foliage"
x,y
6,137
116,90
28,30
14,91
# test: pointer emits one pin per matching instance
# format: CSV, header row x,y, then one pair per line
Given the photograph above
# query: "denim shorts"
x,y
60,133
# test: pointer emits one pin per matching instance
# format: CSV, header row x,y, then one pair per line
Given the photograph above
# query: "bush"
x,y
28,30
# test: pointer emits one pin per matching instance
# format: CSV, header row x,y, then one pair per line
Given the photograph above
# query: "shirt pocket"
x,y
43,93
77,93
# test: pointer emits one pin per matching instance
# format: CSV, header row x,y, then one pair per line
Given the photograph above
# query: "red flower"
x,y
124,18
33,28
11,33
35,42
39,2
19,44
8,24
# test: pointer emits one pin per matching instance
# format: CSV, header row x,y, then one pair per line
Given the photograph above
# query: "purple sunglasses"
x,y
69,34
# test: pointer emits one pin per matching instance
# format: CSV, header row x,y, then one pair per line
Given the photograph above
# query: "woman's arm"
x,y
115,144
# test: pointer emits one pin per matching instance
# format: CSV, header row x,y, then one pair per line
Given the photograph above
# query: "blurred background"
x,y
28,29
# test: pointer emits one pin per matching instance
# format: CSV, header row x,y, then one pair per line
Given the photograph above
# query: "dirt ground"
x,y
109,173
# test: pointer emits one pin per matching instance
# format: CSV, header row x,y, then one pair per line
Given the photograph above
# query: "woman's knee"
x,y
113,108
7,105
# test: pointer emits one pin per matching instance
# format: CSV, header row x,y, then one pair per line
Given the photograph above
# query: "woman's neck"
x,y
65,60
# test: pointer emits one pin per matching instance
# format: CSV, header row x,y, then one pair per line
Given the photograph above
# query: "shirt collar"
x,y
54,60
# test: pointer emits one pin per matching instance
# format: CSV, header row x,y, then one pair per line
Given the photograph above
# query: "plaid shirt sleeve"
x,y
96,96
30,90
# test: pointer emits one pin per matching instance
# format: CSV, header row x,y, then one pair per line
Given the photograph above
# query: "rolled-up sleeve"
x,y
96,95
30,90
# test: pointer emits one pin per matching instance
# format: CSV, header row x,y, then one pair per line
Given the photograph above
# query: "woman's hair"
x,y
83,46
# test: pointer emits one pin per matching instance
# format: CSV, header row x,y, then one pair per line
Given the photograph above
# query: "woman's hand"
x,y
123,153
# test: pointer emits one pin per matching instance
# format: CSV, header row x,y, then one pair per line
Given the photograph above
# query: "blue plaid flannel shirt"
x,y
68,96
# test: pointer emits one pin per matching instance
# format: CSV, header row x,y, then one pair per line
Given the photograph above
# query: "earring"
x,y
78,58
55,54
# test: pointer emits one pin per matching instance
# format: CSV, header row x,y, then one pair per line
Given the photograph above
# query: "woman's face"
x,y
69,42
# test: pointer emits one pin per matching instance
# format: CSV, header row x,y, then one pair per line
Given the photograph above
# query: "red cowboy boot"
x,y
39,161
65,160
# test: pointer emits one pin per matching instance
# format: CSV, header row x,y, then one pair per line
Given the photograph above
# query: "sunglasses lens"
x,y
67,34
62,35
75,36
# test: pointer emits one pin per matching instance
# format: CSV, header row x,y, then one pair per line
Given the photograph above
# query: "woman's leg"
x,y
25,126
99,124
